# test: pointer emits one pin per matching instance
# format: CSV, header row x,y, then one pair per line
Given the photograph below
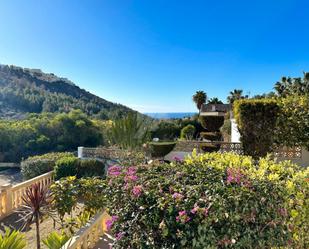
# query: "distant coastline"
x,y
170,115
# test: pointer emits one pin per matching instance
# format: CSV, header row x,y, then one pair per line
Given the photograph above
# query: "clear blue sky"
x,y
153,55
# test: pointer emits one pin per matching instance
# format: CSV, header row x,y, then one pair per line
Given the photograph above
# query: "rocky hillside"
x,y
24,90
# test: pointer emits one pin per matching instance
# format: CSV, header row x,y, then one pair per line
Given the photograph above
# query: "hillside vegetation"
x,y
25,90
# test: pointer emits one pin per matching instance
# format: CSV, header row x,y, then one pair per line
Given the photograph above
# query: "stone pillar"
x,y
80,152
8,198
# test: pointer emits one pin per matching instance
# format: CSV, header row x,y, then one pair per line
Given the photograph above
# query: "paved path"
x,y
104,243
10,176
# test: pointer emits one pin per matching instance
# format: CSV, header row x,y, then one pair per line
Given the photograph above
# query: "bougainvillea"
x,y
209,201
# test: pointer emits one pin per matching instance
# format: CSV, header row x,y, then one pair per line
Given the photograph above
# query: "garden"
x,y
207,200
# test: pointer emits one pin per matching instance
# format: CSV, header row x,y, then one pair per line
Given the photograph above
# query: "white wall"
x,y
235,136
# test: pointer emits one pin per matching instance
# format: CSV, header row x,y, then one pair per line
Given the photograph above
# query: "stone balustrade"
x,y
89,235
11,195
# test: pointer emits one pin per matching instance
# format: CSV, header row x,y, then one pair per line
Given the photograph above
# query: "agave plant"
x,y
12,240
35,207
56,240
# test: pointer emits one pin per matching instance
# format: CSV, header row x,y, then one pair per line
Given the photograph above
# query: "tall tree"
x,y
236,94
214,100
292,86
199,98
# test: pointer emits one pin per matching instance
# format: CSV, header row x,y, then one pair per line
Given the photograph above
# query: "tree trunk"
x,y
37,223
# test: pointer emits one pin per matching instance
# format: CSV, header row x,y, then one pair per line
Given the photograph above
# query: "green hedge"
x,y
38,165
161,149
187,132
212,123
211,200
256,119
72,166
207,147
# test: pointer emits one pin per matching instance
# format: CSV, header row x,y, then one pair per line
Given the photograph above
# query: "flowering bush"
x,y
209,201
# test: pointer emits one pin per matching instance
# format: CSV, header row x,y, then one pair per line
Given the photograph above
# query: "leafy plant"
x,y
12,240
187,132
129,132
211,123
35,206
257,120
38,165
161,149
209,201
66,166
55,240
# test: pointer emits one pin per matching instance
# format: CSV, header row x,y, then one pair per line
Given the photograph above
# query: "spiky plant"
x,y
35,206
55,240
12,240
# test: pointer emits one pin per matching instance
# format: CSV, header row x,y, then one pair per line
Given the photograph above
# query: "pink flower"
x,y
109,224
183,217
114,171
283,212
177,196
177,159
132,178
206,210
194,210
131,170
234,176
137,191
119,235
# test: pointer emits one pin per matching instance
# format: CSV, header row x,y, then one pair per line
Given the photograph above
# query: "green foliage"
x,y
293,121
68,191
293,86
25,90
39,134
90,167
38,165
64,193
199,98
236,94
12,240
212,123
210,147
214,100
55,240
210,201
129,132
166,130
212,136
256,119
187,132
226,130
66,166
161,149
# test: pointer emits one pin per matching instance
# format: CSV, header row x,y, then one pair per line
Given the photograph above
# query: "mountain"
x,y
24,90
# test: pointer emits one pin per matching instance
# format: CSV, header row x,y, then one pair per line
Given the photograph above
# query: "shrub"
x,y
12,240
212,136
212,123
208,147
187,132
66,166
256,119
160,149
55,240
293,121
166,130
38,165
209,201
90,167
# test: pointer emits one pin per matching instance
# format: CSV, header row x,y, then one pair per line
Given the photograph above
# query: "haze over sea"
x,y
170,115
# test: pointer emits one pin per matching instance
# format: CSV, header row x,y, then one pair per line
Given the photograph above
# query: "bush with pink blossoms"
x,y
209,201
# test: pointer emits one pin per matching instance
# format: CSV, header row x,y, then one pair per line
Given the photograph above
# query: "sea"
x,y
170,115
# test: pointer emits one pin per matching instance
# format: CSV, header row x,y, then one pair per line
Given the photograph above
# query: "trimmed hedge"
x,y
212,136
72,166
38,165
187,132
212,123
161,149
256,119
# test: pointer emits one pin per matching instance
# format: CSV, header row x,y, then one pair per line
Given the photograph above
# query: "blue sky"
x,y
153,55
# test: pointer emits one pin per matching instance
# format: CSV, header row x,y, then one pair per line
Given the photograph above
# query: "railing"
x,y
190,145
90,234
11,195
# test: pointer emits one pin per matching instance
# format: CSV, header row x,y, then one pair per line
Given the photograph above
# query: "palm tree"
x,y
236,94
199,98
214,101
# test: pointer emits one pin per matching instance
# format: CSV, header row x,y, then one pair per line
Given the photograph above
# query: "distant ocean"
x,y
169,115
